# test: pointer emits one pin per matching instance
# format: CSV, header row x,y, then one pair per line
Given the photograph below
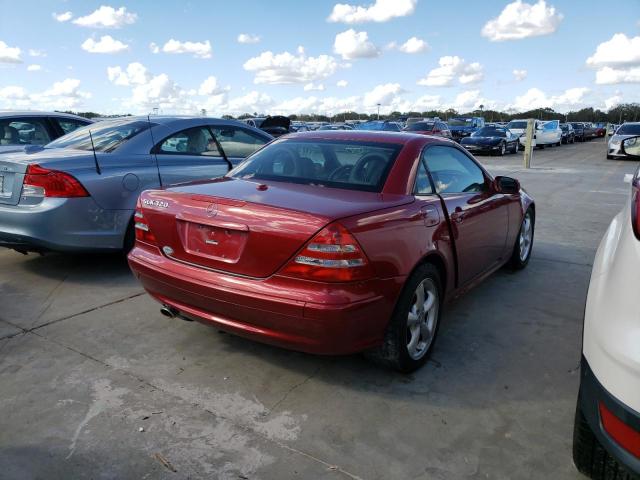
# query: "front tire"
x,y
129,238
524,242
412,330
589,457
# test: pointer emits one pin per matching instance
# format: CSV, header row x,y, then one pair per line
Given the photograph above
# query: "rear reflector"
x,y
333,255
43,182
143,233
620,432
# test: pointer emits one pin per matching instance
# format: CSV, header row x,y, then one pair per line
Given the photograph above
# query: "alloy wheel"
x,y
526,236
422,319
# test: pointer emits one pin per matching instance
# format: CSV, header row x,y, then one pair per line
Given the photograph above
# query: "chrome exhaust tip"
x,y
168,312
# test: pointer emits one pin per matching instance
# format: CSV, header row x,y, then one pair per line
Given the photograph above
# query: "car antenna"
x,y
95,158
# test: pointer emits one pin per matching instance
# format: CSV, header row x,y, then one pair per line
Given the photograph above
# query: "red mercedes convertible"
x,y
333,242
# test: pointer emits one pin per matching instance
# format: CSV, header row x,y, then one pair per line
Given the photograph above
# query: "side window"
x,y
28,131
452,171
423,184
237,142
68,125
193,141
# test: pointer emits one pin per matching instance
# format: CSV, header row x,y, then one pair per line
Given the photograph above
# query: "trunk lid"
x,y
13,167
11,177
248,228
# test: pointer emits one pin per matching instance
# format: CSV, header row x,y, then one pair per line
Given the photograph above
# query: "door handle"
x,y
457,216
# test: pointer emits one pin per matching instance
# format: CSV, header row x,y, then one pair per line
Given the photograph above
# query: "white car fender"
x,y
611,339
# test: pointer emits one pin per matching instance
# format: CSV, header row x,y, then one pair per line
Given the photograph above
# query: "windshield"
x,y
107,135
420,127
490,132
576,125
341,164
629,129
520,125
460,122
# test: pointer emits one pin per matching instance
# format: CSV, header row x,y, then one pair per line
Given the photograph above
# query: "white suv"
x,y
606,437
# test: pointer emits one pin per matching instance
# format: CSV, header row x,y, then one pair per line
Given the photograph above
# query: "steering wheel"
x,y
341,174
366,167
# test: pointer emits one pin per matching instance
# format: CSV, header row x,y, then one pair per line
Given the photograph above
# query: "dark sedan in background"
x,y
568,133
491,140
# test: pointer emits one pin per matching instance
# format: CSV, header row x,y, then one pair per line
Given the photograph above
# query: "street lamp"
x,y
378,111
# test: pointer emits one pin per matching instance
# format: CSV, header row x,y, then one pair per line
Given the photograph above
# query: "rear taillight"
x,y
141,226
635,205
43,182
622,434
333,255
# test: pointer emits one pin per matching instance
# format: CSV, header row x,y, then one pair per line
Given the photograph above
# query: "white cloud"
x,y
9,54
210,87
536,98
351,45
13,93
286,68
197,49
34,68
620,50
610,76
342,83
450,69
248,38
62,95
134,74
426,102
37,53
379,11
313,87
414,45
614,101
519,75
251,102
106,44
617,60
382,94
521,20
62,17
107,17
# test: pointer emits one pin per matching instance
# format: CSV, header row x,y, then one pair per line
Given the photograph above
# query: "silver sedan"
x,y
79,192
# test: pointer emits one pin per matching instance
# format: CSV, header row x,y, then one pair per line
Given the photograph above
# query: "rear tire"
x,y
589,457
411,333
524,242
129,238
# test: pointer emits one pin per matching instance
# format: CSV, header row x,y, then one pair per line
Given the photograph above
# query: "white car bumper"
x,y
612,316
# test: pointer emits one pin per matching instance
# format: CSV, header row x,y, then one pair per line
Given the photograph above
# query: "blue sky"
x,y
318,56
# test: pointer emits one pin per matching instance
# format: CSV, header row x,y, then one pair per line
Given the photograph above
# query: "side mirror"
x,y
507,185
631,147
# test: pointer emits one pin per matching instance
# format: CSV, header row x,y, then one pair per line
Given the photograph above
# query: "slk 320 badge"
x,y
155,203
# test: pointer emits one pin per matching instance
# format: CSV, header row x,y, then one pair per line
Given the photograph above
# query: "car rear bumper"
x,y
62,224
319,318
592,393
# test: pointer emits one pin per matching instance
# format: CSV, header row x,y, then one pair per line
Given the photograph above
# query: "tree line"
x,y
625,112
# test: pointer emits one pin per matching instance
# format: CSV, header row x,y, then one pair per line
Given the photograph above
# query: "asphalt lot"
x,y
87,361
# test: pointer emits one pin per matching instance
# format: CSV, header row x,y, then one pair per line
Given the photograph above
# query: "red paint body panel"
x,y
236,284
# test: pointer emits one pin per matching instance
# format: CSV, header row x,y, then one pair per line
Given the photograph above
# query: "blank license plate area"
x,y
222,244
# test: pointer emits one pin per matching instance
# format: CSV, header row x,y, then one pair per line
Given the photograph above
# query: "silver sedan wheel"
x,y
526,237
422,319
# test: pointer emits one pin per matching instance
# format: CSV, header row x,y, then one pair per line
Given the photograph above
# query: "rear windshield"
x,y
628,129
517,125
576,125
420,127
491,132
460,122
341,164
107,135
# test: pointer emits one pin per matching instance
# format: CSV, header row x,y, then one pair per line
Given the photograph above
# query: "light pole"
x,y
378,111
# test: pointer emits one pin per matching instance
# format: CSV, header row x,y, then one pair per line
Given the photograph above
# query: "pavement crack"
x,y
89,310
293,387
